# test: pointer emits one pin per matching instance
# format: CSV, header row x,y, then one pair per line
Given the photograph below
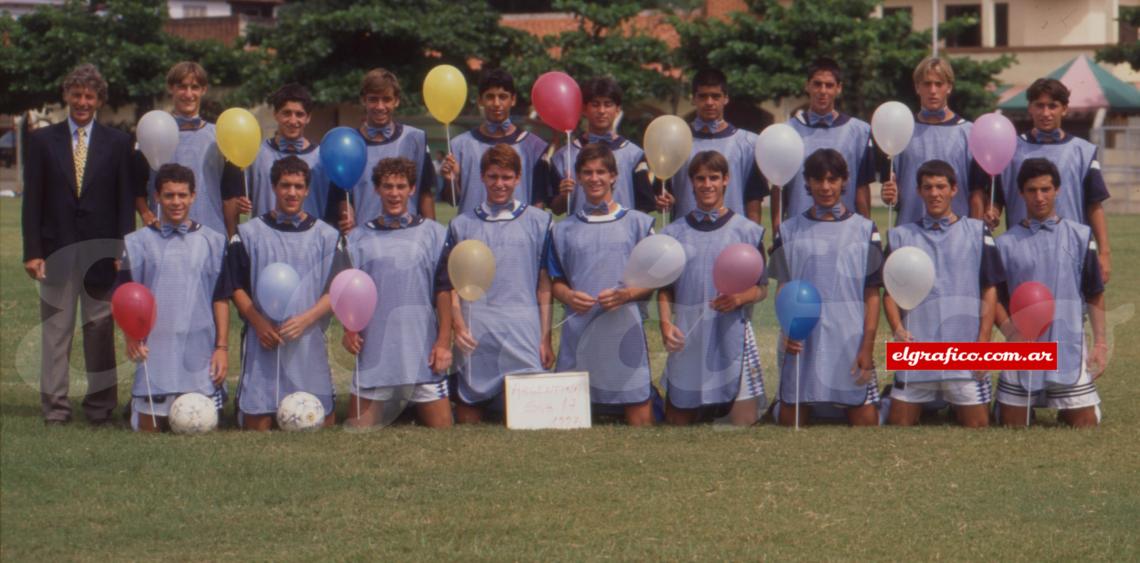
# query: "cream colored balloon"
x,y
668,144
471,268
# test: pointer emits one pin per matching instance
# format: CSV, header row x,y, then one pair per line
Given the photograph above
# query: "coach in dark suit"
x,y
77,208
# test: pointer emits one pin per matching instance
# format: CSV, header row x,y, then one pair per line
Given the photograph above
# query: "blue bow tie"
x,y
283,218
701,215
287,145
701,125
501,127
929,223
836,211
497,208
1047,136
592,138
1034,225
396,221
814,118
937,116
382,133
167,229
188,123
602,208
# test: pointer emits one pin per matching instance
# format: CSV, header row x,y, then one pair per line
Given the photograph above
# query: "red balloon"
x,y
738,267
558,100
134,310
1031,307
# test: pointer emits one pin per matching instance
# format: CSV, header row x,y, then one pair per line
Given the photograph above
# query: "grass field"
x,y
707,492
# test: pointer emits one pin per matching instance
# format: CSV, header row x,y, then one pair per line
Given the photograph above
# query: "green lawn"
x,y
706,492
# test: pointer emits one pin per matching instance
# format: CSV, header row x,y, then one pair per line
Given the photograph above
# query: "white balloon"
x,y
779,153
892,125
655,262
909,276
158,137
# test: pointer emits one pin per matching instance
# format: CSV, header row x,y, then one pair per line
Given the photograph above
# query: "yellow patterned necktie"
x,y
80,155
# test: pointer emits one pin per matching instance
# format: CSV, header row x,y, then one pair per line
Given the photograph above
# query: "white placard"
x,y
548,400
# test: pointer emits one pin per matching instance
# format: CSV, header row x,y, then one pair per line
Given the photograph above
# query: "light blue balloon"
x,y
798,307
275,288
343,156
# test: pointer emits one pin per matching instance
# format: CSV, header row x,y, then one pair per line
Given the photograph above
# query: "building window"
x,y
1001,25
1128,33
970,35
888,12
193,10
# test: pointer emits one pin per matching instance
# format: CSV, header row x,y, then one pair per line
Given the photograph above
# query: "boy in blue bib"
x,y
180,263
292,110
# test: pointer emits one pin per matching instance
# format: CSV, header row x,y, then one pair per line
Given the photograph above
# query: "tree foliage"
x,y
328,45
1124,52
765,53
123,38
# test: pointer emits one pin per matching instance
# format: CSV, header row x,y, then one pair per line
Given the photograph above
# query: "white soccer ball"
x,y
300,411
193,413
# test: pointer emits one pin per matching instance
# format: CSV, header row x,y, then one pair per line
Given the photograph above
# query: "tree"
x,y
123,38
606,42
766,51
1124,52
328,45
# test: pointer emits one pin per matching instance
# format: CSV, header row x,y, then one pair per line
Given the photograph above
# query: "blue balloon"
x,y
276,285
343,156
798,306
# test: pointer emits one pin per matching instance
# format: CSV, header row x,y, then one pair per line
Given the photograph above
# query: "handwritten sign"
x,y
548,400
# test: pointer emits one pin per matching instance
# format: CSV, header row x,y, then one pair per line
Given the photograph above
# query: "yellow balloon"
x,y
668,143
471,268
239,136
445,92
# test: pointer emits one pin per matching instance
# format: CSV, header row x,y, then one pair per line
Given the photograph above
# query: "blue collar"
x,y
837,211
380,133
500,212
290,146
605,139
395,221
937,116
701,216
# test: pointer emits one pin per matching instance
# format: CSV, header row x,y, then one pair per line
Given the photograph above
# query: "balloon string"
x,y
797,362
570,201
277,389
447,131
697,322
356,383
993,189
564,319
891,206
149,396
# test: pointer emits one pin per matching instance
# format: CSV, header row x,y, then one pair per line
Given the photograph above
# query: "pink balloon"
x,y
558,100
992,142
353,297
737,268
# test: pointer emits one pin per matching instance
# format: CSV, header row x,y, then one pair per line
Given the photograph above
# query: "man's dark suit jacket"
x,y
54,218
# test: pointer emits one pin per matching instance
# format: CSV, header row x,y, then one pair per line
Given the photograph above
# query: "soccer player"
x,y
746,188
219,184
508,329
406,348
601,101
384,138
1062,254
604,334
960,307
1082,189
839,253
714,363
462,168
282,356
180,263
939,134
823,126
292,109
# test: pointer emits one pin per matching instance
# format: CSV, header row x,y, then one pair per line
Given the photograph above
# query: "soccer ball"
x,y
300,411
193,413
